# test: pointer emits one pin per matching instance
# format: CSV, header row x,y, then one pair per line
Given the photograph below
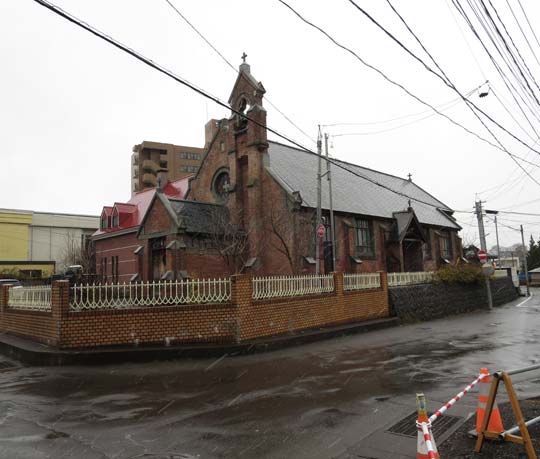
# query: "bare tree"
x,y
229,240
78,250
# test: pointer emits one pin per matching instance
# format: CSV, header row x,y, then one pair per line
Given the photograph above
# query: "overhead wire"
x,y
509,85
69,17
444,78
395,83
234,68
522,32
520,91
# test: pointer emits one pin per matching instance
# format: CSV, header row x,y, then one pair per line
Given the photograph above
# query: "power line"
x,y
447,81
509,85
381,73
410,115
57,10
233,67
528,22
518,213
522,32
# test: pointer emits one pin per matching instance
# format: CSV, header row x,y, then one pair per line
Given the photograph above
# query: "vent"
x,y
407,426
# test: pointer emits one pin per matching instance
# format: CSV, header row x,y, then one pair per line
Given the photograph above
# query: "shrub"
x,y
461,274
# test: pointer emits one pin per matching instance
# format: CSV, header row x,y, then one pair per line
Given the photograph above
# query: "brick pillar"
x,y
384,280
59,306
386,293
4,296
338,283
242,299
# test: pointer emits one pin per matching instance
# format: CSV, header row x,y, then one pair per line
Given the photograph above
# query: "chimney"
x,y
162,179
210,130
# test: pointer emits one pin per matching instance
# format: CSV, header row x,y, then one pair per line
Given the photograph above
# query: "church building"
x,y
251,208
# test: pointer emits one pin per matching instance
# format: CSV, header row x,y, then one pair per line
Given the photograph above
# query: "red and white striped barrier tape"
x,y
427,438
448,405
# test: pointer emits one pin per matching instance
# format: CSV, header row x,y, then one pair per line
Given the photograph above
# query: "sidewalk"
x,y
34,353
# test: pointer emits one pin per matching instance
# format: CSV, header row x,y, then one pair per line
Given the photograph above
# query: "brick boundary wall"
x,y
240,320
259,318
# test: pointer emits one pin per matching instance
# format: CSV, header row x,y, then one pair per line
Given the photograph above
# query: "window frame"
x,y
445,245
364,238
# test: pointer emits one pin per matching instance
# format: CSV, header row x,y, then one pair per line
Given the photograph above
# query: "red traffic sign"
x,y
482,256
321,230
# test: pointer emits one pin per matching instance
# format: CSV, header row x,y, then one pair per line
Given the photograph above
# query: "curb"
x,y
37,354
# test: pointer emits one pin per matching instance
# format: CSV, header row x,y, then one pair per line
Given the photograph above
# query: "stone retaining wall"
x,y
431,301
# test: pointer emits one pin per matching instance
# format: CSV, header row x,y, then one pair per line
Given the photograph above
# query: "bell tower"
x,y
248,154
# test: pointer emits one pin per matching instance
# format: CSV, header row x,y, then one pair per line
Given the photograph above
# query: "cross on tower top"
x,y
410,176
244,55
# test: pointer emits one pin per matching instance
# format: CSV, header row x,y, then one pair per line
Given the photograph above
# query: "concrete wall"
x,y
431,301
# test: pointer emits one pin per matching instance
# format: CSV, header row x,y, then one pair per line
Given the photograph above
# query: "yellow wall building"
x,y
14,229
34,244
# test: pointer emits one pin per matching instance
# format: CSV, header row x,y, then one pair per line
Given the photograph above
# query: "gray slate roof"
x,y
296,170
198,217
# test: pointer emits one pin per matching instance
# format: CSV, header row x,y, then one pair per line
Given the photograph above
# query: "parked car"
x,y
14,282
522,280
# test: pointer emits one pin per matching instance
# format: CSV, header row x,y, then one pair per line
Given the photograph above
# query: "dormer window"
x,y
115,218
104,221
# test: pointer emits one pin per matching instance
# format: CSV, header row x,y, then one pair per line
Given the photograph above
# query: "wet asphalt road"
x,y
314,401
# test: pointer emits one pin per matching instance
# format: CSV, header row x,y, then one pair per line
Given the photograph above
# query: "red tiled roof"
x,y
132,213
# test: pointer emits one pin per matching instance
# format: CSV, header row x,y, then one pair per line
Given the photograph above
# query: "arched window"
x,y
221,185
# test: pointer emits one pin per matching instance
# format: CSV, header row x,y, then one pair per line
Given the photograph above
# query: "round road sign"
x,y
482,256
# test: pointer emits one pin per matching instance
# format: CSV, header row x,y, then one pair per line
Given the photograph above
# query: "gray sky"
x,y
73,106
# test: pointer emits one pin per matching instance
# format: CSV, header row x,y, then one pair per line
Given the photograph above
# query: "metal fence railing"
x,y
284,286
399,279
361,281
156,293
30,298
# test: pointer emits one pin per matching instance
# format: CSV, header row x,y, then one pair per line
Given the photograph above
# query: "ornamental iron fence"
x,y
400,279
287,286
361,281
155,293
30,298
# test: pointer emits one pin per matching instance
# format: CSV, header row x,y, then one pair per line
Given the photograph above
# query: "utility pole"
x,y
317,238
525,261
495,212
483,245
332,230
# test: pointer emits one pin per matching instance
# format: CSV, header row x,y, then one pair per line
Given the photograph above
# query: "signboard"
x,y
488,270
320,230
482,256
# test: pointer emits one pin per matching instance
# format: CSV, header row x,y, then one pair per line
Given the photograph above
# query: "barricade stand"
x,y
425,446
495,423
484,433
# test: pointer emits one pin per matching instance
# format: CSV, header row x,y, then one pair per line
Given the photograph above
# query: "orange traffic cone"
x,y
422,450
495,423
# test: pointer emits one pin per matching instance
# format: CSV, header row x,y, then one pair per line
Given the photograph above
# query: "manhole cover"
x,y
407,426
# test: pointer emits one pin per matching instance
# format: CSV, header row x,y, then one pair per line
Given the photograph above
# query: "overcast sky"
x,y
72,106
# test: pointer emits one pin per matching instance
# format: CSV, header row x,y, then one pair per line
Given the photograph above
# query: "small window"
x,y
365,245
115,219
446,245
